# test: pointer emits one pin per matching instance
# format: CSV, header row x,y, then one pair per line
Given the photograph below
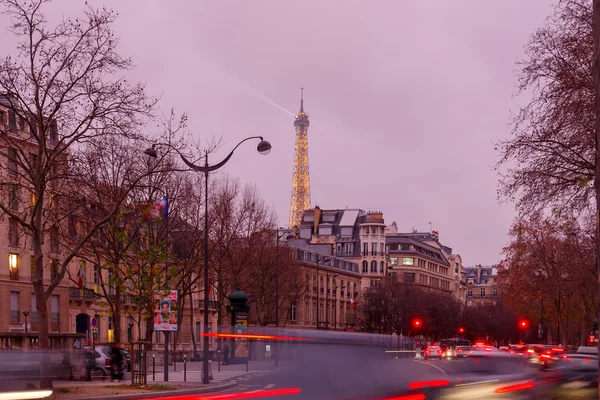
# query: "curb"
x,y
165,393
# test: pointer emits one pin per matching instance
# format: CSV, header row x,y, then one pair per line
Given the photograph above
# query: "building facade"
x,y
418,258
482,287
351,234
333,288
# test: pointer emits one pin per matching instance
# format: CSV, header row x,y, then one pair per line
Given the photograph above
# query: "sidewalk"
x,y
193,375
194,372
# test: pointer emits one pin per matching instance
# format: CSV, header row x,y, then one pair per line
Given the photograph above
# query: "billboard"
x,y
241,328
166,310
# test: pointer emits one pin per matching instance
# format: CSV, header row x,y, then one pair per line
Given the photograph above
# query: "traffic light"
x,y
523,324
461,330
417,323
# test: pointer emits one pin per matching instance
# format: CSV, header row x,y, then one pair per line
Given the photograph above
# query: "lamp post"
x,y
25,314
327,299
263,148
318,259
336,301
279,236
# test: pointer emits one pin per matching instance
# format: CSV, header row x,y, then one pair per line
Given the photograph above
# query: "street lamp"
x,y
279,236
25,314
327,298
263,148
335,316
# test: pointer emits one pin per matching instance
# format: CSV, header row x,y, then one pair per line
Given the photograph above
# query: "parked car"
x,y
102,356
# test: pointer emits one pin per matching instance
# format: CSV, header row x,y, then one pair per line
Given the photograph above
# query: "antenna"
x,y
301,98
430,226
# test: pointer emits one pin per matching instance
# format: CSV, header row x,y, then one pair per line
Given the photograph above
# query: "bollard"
x,y
153,369
184,368
219,360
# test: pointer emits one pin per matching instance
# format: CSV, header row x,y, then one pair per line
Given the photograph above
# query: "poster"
x,y
166,310
241,328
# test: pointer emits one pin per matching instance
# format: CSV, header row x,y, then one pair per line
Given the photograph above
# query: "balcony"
x,y
76,293
212,305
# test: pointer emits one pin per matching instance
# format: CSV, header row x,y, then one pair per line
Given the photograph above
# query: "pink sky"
x,y
405,98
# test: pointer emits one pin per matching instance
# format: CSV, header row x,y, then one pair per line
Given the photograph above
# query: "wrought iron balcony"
x,y
77,293
211,304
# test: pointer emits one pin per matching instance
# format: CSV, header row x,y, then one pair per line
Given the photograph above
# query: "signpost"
x,y
94,324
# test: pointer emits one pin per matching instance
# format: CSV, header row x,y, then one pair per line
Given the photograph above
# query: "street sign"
x,y
94,329
94,322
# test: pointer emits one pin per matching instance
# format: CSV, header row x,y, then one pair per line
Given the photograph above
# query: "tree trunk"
x,y
41,298
596,73
117,314
192,330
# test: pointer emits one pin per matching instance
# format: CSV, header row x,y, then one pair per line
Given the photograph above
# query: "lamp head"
x,y
263,147
151,151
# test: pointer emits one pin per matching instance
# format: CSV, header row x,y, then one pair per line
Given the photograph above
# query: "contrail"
x,y
249,89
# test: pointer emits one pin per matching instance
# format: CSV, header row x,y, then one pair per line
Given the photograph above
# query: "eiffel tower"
x,y
300,180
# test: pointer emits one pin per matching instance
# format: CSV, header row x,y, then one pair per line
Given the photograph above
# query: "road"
x,y
339,372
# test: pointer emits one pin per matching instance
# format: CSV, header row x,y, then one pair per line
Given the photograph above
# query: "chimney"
x,y
317,220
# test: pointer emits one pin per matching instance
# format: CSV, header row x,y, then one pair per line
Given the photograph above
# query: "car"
x,y
102,356
449,353
462,351
433,351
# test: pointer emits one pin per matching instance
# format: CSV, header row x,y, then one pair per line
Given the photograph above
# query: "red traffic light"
x,y
461,330
523,324
417,323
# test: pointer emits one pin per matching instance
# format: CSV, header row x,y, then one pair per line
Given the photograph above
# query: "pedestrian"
x,y
226,353
90,363
116,364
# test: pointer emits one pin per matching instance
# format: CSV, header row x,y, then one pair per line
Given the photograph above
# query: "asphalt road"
x,y
340,372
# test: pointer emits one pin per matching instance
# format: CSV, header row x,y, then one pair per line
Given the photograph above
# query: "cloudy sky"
x,y
405,98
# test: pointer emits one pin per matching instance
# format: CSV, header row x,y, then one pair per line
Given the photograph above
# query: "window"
x,y
13,232
32,266
381,267
82,273
111,329
469,303
470,292
373,266
394,260
53,268
72,226
324,229
13,197
365,266
293,312
409,277
365,249
408,261
13,266
12,161
306,315
314,315
53,132
373,249
54,309
12,120
495,292
54,239
14,307
34,313
482,292
33,161
348,248
339,247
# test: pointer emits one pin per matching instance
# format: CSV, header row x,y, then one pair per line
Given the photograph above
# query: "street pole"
x,y
263,148
166,357
327,300
318,305
596,73
205,352
277,297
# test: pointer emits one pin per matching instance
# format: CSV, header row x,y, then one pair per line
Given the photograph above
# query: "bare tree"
x,y
60,94
549,162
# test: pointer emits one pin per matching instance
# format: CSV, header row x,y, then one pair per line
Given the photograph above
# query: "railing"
x,y
76,293
211,304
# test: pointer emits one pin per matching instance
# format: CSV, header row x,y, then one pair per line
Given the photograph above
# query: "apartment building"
x,y
418,258
352,234
333,289
481,285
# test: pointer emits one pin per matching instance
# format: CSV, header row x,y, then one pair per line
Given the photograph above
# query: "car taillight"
x,y
107,362
439,351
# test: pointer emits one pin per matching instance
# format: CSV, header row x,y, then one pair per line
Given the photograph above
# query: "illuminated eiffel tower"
x,y
300,180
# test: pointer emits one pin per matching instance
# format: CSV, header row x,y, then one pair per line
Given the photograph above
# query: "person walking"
x,y
116,364
226,353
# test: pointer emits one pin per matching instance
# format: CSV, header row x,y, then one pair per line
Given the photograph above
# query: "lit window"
x,y
394,260
13,266
408,261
